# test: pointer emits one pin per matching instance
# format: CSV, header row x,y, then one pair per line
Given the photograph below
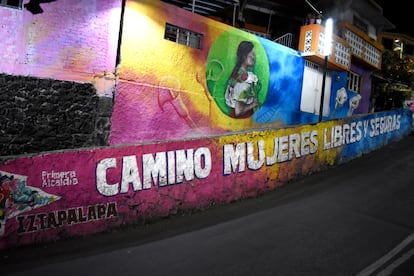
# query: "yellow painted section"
x,y
149,59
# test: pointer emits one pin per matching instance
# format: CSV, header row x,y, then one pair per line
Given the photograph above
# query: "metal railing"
x,y
285,40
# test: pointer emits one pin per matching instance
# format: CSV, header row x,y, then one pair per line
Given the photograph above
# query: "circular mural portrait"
x,y
237,73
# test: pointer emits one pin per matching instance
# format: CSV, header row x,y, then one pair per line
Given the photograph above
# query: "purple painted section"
x,y
57,195
70,40
364,104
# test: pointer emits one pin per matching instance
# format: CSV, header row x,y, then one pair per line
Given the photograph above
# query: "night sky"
x,y
399,14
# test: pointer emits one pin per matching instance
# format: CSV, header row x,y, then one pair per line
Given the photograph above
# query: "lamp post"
x,y
327,46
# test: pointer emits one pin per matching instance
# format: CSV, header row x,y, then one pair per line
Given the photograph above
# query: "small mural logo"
x,y
16,197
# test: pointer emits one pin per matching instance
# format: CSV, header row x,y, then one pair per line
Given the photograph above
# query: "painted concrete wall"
x,y
164,90
71,40
59,195
341,100
167,90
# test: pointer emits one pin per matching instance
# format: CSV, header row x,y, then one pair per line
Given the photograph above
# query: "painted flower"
x,y
251,78
354,101
341,96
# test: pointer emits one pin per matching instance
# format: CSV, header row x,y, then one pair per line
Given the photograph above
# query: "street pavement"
x,y
352,219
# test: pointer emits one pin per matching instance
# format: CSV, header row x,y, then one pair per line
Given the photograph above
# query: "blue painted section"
x,y
285,85
381,128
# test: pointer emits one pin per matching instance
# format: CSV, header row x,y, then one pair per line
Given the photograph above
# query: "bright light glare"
x,y
328,37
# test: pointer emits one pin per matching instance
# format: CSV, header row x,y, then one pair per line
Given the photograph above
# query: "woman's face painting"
x,y
251,58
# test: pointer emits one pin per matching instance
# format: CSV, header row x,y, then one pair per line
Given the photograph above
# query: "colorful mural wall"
x,y
57,195
234,81
56,44
240,90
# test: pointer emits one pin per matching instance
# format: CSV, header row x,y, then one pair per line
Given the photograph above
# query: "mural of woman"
x,y
243,84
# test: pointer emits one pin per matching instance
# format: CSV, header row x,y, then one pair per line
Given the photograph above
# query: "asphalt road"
x,y
353,219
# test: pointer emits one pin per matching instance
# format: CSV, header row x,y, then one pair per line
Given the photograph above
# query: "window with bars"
x,y
12,3
354,82
183,36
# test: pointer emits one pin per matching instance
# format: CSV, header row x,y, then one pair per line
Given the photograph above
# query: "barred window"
x,y
183,36
11,3
354,82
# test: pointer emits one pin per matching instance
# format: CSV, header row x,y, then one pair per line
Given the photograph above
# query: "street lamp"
x,y
327,47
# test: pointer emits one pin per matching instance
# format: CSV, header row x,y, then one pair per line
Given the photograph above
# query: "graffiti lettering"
x,y
165,168
340,135
284,148
60,218
57,179
384,124
343,135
